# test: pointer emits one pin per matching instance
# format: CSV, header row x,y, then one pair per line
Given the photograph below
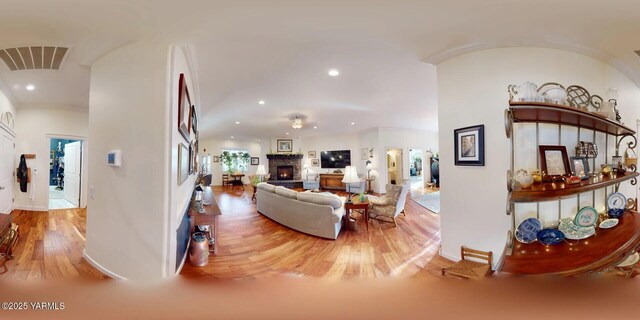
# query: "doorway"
x,y
65,173
416,173
394,165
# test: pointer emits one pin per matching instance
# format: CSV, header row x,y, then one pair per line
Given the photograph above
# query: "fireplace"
x,y
285,173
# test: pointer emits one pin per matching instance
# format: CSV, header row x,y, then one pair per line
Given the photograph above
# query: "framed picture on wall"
x,y
255,161
469,146
183,163
285,145
312,154
184,108
193,120
315,162
554,161
364,154
216,159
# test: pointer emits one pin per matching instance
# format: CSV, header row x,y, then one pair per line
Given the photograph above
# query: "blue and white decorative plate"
x,y
586,217
616,201
527,231
550,236
609,223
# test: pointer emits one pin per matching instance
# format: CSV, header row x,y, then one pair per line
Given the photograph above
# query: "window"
x,y
205,166
234,160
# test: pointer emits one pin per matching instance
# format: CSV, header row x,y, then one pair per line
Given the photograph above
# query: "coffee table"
x,y
356,204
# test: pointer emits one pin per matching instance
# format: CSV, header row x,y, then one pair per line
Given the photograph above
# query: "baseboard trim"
x,y
30,208
100,268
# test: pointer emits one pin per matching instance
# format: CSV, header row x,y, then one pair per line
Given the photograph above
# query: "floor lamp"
x,y
350,176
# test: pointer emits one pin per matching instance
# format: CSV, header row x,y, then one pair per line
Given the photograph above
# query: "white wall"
x,y
215,146
332,143
34,125
6,104
179,194
128,219
473,199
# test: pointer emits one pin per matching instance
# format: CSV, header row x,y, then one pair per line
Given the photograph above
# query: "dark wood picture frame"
x,y
545,161
193,120
184,102
469,155
255,161
585,166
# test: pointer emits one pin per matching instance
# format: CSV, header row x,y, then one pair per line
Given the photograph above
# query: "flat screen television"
x,y
335,159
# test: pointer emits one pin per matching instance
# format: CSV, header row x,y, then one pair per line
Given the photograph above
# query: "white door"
x,y
72,164
7,165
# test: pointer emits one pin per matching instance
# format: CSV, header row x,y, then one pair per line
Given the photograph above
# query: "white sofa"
x,y
318,214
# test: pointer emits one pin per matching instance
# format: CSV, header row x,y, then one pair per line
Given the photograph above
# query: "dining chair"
x,y
225,179
466,268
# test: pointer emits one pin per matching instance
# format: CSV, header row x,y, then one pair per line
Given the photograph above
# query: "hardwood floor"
x,y
253,246
50,246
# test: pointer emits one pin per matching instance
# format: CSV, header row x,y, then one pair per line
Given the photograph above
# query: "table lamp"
x,y
261,172
350,176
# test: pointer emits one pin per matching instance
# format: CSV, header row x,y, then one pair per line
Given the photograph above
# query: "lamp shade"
x,y
261,171
350,175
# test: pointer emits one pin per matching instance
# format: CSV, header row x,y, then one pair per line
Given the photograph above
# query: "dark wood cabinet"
x,y
332,181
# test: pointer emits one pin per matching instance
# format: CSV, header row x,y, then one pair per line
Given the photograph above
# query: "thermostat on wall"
x,y
114,158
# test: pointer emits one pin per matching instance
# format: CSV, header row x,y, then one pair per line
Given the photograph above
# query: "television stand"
x,y
332,181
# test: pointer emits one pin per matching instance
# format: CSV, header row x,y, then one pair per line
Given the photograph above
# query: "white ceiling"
x,y
280,51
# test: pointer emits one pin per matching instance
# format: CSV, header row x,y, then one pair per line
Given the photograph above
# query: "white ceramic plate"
x,y
609,223
616,201
631,260
573,232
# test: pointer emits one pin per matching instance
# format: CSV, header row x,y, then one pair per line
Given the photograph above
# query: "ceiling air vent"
x,y
28,58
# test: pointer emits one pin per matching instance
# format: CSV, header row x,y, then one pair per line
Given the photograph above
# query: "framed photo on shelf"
x,y
183,163
255,161
312,154
184,109
315,162
580,167
285,145
554,161
469,146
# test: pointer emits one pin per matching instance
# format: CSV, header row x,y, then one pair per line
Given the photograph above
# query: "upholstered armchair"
x,y
389,206
358,187
311,181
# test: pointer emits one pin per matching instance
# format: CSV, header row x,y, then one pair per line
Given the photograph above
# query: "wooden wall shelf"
x,y
561,114
548,191
606,248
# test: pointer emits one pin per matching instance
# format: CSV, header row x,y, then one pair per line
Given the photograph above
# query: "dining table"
x,y
237,180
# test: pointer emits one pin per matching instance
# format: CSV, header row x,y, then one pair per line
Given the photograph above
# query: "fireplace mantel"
x,y
285,159
285,156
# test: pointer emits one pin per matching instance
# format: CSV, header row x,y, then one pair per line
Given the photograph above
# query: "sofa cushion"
x,y
321,198
267,187
288,193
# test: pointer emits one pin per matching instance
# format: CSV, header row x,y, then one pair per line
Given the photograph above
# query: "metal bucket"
x,y
199,251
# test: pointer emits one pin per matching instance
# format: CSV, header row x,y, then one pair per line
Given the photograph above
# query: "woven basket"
x,y
630,160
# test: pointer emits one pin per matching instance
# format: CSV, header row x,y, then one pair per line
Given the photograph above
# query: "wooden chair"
x,y
225,179
470,269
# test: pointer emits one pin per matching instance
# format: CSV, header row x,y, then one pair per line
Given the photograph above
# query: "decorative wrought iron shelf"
x,y
548,191
560,114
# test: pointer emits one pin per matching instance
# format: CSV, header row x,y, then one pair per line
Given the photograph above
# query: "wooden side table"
x,y
369,190
356,204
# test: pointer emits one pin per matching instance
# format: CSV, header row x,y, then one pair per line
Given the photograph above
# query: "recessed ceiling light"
x,y
334,72
287,133
353,123
231,137
261,102
315,127
237,122
30,87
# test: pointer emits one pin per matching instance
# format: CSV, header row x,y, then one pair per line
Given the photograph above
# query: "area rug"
x,y
431,201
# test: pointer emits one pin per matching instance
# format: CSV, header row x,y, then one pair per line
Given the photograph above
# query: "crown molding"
x,y
53,107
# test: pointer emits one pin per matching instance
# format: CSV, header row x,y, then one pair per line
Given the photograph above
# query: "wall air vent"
x,y
29,58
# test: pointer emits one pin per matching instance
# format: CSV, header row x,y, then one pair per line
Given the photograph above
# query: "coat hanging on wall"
x,y
23,174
